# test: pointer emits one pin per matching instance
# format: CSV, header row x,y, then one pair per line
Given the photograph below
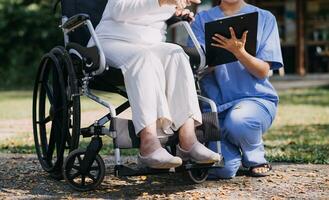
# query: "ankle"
x,y
148,145
187,144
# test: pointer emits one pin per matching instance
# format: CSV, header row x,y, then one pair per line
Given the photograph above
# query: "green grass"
x,y
25,144
15,104
299,134
18,104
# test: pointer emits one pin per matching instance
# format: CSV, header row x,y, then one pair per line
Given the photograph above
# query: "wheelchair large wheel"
x,y
79,180
54,127
73,98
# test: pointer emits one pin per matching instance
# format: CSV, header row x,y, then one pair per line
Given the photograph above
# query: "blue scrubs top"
x,y
231,83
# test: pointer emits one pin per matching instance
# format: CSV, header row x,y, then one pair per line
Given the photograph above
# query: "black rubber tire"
x,y
73,99
55,129
72,173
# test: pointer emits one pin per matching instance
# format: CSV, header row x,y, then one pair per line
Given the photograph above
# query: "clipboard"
x,y
240,23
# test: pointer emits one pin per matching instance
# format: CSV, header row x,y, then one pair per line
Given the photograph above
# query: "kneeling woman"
x,y
246,100
157,75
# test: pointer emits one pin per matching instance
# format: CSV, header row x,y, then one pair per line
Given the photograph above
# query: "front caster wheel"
x,y
198,175
79,180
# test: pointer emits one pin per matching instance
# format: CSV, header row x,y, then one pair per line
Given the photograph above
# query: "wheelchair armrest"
x,y
194,55
75,20
84,20
175,19
200,57
89,56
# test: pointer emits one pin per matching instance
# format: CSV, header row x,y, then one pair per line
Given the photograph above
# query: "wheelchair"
x,y
73,70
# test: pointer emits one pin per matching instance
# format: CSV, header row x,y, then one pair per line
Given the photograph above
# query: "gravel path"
x,y
21,177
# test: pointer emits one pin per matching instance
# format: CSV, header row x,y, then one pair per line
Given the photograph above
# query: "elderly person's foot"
x,y
160,159
198,153
154,156
151,152
190,148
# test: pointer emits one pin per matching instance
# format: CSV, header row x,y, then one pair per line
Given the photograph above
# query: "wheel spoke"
x,y
47,120
49,93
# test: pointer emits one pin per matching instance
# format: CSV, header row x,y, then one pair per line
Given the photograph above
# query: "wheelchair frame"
x,y
198,173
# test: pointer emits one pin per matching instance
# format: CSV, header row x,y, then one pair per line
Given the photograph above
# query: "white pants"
x,y
159,83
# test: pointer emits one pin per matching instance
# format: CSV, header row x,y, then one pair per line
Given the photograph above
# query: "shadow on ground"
x,y
22,177
25,176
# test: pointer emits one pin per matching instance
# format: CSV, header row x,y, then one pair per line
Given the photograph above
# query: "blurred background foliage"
x,y
28,29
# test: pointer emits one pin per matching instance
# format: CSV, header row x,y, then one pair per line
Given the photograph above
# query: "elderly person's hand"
x,y
180,4
185,12
234,45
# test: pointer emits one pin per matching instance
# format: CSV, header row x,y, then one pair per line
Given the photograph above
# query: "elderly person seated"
x,y
158,78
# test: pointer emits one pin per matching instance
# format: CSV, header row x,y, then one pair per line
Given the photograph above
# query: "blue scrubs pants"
x,y
241,143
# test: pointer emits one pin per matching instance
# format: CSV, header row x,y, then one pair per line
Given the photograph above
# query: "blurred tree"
x,y
28,29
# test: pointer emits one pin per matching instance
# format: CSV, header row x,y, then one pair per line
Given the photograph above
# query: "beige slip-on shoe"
x,y
199,154
160,159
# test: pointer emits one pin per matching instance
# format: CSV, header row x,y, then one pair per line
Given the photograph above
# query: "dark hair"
x,y
219,2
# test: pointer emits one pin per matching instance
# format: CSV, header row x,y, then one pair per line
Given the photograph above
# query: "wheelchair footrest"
x,y
136,170
191,165
94,130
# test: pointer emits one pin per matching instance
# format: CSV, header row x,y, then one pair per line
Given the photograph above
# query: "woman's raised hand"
x,y
234,45
180,4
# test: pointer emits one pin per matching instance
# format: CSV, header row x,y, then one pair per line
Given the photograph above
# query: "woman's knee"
x,y
242,128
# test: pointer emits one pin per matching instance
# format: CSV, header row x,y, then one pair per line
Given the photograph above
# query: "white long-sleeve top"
x,y
138,21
